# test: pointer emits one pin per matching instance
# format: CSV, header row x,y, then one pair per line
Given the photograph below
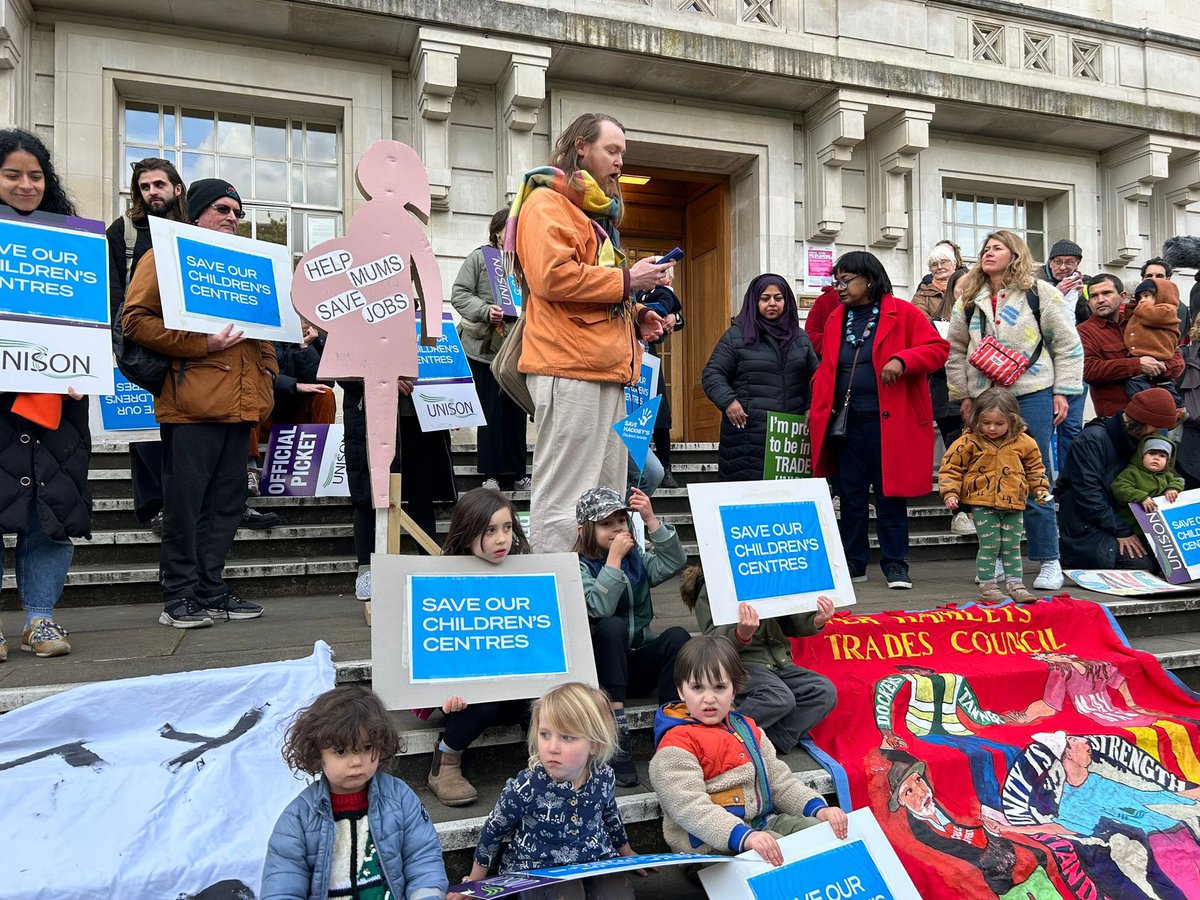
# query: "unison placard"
x,y
774,544
459,625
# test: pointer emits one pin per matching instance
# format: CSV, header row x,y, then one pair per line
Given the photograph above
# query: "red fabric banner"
x,y
1015,751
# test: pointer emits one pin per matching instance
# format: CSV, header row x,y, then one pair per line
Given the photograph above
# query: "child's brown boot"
x,y
989,592
446,779
1019,592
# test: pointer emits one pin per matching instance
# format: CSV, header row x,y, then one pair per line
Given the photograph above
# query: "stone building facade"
x,y
768,130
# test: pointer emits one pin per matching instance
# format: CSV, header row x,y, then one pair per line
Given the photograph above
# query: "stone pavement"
x,y
126,641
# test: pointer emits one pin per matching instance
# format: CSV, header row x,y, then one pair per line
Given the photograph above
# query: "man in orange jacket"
x,y
582,329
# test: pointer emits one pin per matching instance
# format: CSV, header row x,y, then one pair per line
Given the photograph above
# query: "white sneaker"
x,y
1050,578
491,484
362,586
962,524
523,484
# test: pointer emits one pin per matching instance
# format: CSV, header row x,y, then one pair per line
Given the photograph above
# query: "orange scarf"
x,y
41,409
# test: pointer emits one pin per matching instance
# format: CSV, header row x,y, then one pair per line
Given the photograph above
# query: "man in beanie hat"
x,y
219,385
1091,533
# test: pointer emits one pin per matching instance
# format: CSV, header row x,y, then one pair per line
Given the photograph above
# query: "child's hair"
x,y
713,657
349,717
586,545
471,517
1002,401
691,580
574,708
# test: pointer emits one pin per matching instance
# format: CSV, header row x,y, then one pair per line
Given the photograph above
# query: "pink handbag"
x,y
1001,364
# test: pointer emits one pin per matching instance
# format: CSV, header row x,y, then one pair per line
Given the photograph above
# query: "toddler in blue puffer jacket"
x,y
355,831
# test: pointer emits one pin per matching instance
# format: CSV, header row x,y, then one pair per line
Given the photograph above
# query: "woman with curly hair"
x,y
45,443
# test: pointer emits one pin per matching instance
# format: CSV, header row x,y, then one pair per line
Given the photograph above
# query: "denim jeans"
x,y
651,475
1068,430
42,565
1041,526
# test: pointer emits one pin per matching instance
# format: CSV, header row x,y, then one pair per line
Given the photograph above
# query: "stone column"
x,y
435,79
1129,174
832,131
16,20
521,93
892,150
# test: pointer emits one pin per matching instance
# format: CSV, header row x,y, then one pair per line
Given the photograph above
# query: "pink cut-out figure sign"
x,y
359,289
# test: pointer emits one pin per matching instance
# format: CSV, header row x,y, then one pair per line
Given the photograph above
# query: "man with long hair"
x,y
582,328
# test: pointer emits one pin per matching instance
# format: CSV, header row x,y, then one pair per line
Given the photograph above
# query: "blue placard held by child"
x,y
485,626
775,549
637,430
846,872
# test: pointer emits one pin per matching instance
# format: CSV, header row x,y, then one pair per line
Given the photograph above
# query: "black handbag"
x,y
840,423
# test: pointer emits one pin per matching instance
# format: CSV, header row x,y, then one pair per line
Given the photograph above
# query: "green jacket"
x,y
610,593
471,297
1134,484
770,646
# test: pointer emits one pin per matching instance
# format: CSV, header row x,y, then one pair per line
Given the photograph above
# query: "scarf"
x,y
940,284
583,191
783,330
631,565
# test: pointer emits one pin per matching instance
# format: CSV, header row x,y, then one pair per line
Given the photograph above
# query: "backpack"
x,y
144,367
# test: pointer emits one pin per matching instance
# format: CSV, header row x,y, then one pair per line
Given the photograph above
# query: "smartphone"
x,y
673,256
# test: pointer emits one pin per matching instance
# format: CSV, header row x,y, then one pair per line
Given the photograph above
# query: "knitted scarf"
x,y
583,191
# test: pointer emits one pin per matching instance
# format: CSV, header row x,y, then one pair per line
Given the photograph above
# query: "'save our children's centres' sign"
x,y
774,544
647,384
54,305
306,461
209,279
128,408
445,395
1173,530
817,866
459,625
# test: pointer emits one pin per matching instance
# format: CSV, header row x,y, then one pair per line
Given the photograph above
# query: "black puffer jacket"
x,y
763,381
49,468
1088,523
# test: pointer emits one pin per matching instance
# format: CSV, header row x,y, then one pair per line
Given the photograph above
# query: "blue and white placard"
x,y
774,544
817,866
444,394
647,384
54,325
210,279
459,625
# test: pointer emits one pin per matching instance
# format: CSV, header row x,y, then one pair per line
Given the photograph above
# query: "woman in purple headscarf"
x,y
762,364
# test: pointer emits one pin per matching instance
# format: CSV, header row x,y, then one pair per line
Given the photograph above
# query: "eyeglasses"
x,y
845,282
224,209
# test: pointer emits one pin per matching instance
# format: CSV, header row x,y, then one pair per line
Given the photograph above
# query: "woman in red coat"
x,y
888,400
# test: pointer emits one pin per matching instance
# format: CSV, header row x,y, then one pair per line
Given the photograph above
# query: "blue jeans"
x,y
651,474
1041,526
42,566
1068,430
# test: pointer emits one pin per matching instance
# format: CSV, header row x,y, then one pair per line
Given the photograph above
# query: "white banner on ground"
x,y
208,279
151,787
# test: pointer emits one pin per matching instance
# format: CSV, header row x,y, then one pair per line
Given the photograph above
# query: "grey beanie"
x,y
1065,248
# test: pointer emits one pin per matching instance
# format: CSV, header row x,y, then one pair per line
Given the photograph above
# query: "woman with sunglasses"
x,y
870,392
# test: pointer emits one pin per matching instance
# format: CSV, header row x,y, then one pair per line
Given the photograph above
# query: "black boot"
x,y
622,762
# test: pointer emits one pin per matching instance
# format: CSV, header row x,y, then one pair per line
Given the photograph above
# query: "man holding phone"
x,y
580,344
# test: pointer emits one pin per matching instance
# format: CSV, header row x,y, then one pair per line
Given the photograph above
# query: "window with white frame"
x,y
969,218
287,170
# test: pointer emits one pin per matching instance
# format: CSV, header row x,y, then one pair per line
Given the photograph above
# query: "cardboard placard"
x,y
445,395
1123,582
1173,530
54,305
505,290
637,431
460,625
817,866
128,408
774,544
789,447
647,384
305,461
208,279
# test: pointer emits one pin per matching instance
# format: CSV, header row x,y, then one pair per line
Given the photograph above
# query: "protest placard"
x,y
1123,582
459,625
647,384
637,431
305,461
1173,530
128,408
209,279
789,448
817,866
774,544
54,305
505,290
445,395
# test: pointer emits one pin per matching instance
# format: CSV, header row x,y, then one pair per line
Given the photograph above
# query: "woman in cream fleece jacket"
x,y
996,292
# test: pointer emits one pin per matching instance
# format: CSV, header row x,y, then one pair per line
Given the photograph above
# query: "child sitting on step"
x,y
562,809
484,525
783,698
721,787
993,468
617,577
355,829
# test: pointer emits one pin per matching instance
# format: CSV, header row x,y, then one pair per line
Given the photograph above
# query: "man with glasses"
x,y
219,385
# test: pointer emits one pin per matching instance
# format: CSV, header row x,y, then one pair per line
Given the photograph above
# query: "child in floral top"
x,y
561,810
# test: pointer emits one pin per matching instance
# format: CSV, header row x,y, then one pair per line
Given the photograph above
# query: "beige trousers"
x,y
575,449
